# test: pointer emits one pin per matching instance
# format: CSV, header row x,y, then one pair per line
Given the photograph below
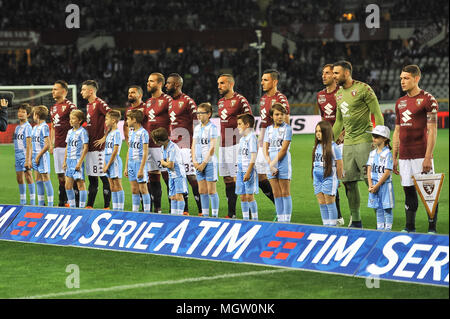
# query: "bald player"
x,y
229,106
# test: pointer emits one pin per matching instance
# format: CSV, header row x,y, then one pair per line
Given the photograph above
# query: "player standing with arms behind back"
x,y
229,107
269,84
414,140
96,110
355,101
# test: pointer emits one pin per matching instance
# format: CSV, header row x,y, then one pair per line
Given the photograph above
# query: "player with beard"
x,y
355,101
157,113
326,103
269,84
60,116
135,94
182,115
229,107
96,110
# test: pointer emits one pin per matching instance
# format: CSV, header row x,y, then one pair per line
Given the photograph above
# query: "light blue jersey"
x,y
38,135
75,140
21,133
247,145
275,138
173,154
114,138
136,140
326,185
379,163
202,139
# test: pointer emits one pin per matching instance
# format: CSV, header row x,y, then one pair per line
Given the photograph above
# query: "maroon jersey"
x,y
411,115
327,105
265,104
157,112
60,115
95,120
229,109
182,114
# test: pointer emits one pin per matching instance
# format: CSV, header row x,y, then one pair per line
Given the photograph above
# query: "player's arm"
x,y
28,152
44,149
262,131
374,107
211,152
3,115
143,161
431,140
395,148
250,166
126,129
194,142
112,158
369,177
338,124
339,168
384,177
65,159
282,153
82,157
52,139
125,171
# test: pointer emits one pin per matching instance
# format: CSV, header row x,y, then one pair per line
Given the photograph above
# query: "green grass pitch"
x,y
35,270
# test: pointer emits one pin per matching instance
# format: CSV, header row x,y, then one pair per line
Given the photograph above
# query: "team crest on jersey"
x,y
321,99
64,108
180,104
273,102
338,97
354,92
233,102
160,102
263,101
419,101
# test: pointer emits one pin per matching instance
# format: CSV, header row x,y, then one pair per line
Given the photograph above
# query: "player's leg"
x,y
228,169
91,170
58,160
135,195
48,188
68,185
204,196
22,187
262,170
83,192
214,198
279,204
406,168
31,186
323,208
143,191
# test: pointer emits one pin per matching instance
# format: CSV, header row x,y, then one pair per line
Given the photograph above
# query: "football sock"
x,y
136,201
267,189
338,205
49,189
324,213
388,219
114,200
332,214
380,219
244,207
23,194
174,207
106,192
83,198
279,208
230,189
92,190
194,185
120,199
287,203
214,204
354,200
181,205
204,198
40,193
147,202
253,209
71,197
32,190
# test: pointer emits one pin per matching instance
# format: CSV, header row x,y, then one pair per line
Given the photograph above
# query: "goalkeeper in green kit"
x,y
355,103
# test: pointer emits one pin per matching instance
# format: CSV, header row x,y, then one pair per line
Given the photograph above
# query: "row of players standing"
x,y
174,111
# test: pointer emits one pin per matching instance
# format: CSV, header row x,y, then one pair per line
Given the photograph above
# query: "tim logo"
x,y
25,226
284,242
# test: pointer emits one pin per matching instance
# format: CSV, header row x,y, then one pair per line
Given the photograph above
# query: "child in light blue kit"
x,y
76,150
379,170
173,161
40,156
277,141
23,150
204,159
326,172
246,177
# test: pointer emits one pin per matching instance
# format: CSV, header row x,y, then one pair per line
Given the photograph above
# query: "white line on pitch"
x,y
153,284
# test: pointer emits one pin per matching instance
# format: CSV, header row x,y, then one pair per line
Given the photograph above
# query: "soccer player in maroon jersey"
x,y
269,84
59,114
229,107
157,113
326,103
135,94
96,110
414,140
182,115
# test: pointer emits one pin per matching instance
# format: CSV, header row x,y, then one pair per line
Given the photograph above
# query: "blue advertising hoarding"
x,y
419,258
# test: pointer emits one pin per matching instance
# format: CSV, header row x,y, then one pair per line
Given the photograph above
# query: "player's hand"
x,y
125,173
246,177
395,166
105,169
140,174
37,159
426,165
3,102
202,166
78,167
28,164
64,166
100,142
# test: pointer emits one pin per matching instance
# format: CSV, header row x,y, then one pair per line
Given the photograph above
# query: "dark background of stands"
x,y
200,65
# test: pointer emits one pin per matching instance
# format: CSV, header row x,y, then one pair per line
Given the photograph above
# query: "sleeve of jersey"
x,y
397,115
72,106
117,138
28,131
253,147
337,152
372,101
85,137
432,106
68,136
285,102
288,135
338,125
214,132
266,135
145,137
104,108
245,106
390,161
370,159
46,131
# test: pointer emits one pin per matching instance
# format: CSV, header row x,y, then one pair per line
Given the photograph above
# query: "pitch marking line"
x,y
155,283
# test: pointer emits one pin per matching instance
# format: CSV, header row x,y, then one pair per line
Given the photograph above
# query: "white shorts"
x,y
58,159
228,157
410,167
94,163
187,161
154,159
261,164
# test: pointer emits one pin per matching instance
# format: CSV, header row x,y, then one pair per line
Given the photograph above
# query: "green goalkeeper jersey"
x,y
353,108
